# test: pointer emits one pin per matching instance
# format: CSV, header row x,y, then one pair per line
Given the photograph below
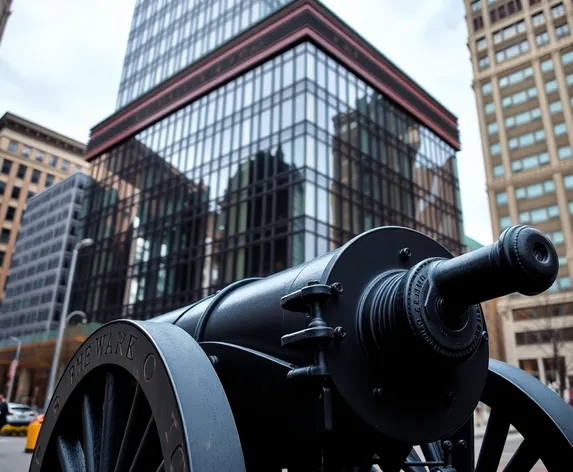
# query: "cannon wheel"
x,y
138,396
516,399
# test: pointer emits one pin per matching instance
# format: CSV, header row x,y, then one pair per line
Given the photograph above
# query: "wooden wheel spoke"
x,y
524,458
135,424
70,454
493,443
91,426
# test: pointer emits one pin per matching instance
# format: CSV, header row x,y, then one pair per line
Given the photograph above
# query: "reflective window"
x,y
556,107
556,237
560,129
12,146
501,198
558,10
538,19
522,118
567,58
492,128
279,165
486,88
512,51
498,170
532,161
547,65
483,62
542,38
505,222
481,44
562,30
519,97
551,86
535,190
539,215
516,77
564,152
509,32
489,108
527,139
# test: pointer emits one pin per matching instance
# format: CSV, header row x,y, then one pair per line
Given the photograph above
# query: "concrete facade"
x,y
522,58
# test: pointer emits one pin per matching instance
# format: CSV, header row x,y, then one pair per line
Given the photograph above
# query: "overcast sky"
x,y
60,65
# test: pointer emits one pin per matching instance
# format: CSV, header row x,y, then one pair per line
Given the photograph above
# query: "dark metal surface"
x,y
127,402
520,400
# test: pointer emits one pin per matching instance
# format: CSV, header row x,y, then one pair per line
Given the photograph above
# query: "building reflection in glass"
x,y
278,166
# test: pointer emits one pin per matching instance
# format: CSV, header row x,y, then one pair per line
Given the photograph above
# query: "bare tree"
x,y
555,338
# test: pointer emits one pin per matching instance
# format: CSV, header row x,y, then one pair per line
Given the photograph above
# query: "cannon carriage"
x,y
344,363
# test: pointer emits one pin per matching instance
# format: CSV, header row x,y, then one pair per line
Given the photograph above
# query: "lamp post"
x,y
13,367
64,320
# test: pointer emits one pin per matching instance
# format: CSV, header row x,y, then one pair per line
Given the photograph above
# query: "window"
x,y
567,58
486,88
568,181
495,149
53,160
4,235
564,152
65,164
562,30
564,283
2,187
505,222
556,237
558,10
483,62
559,129
526,139
478,23
538,19
512,51
522,118
2,256
562,260
10,213
481,44
489,108
476,5
12,146
551,86
49,180
509,32
515,77
555,107
40,156
30,195
542,38
519,97
16,192
35,176
547,65
539,215
501,198
6,166
498,170
492,128
535,190
26,151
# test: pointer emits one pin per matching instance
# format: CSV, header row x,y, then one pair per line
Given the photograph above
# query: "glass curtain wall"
x,y
279,166
168,35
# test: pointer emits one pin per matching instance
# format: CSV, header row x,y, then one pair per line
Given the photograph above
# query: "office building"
x,y
32,158
269,150
522,57
41,261
4,15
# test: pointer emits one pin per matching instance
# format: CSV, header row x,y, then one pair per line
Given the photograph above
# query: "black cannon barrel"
x,y
523,260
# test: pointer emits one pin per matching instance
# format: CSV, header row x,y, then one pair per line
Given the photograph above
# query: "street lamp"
x,y
64,319
13,367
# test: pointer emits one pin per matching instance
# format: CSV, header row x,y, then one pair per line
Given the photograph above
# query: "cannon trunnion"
x,y
344,362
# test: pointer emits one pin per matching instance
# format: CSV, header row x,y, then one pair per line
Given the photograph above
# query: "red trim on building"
x,y
250,37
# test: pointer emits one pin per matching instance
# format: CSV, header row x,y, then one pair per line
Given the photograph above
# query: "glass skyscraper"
x,y
275,147
168,35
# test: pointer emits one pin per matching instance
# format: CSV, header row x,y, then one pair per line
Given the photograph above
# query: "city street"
x,y
14,459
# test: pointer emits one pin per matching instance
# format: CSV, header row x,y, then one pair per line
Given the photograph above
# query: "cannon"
x,y
372,356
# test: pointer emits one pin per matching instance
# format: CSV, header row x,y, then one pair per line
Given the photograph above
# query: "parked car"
x,y
20,415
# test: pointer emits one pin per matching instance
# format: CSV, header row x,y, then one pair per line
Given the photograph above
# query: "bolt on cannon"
x,y
343,363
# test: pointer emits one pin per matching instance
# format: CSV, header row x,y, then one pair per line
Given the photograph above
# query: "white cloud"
x,y
60,65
